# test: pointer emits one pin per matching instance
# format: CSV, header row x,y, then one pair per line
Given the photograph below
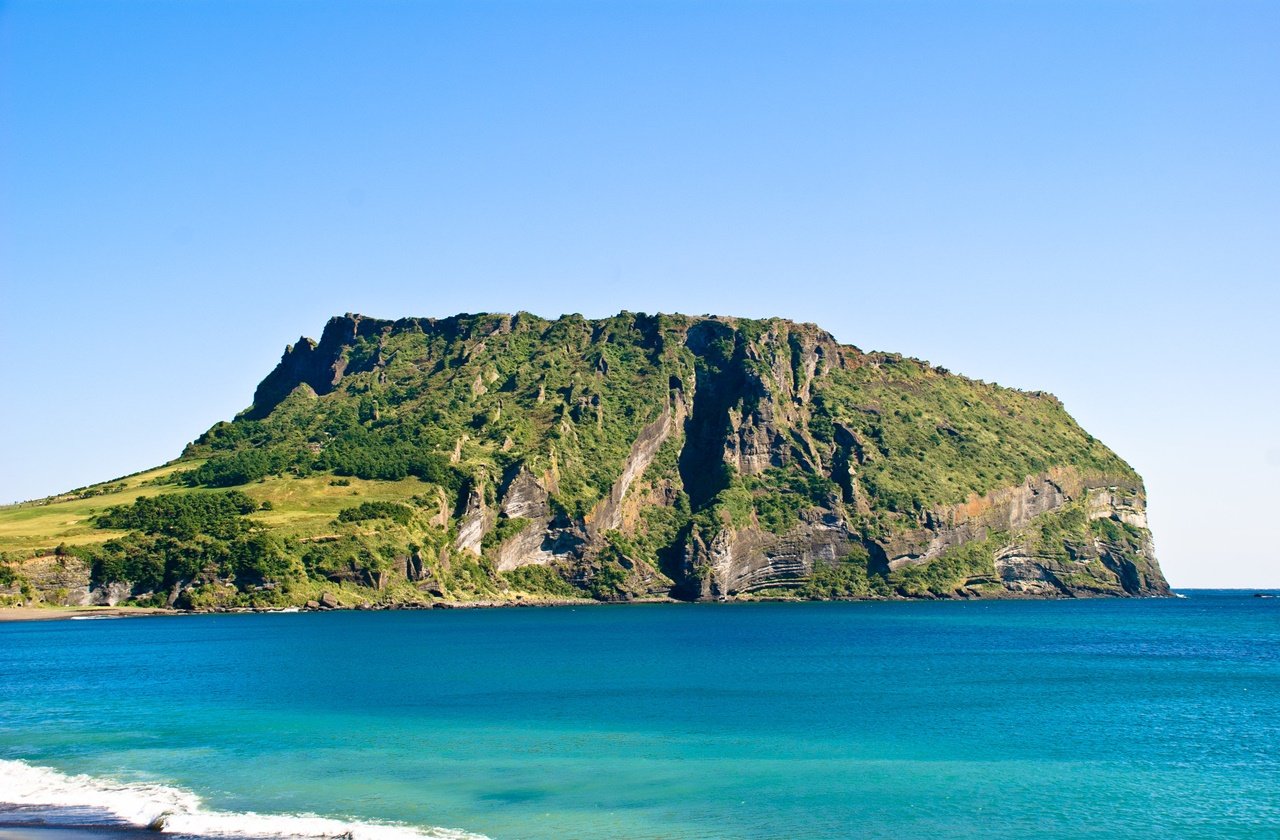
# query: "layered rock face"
x,y
67,581
751,560
717,457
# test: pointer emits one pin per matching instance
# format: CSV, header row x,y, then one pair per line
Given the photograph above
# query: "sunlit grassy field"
x,y
299,507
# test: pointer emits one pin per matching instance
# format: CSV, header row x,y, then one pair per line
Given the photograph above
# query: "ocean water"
x,y
1068,719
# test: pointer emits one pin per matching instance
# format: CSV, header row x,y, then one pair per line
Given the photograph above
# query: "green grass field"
x,y
300,507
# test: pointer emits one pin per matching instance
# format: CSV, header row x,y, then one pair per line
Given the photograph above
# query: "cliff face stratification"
x,y
668,456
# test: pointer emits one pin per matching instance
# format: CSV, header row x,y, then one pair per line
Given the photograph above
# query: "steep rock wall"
x,y
743,560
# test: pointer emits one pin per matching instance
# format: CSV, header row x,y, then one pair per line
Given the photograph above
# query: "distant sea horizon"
x,y
1060,719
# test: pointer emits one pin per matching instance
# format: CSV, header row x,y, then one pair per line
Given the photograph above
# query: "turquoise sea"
x,y
1064,719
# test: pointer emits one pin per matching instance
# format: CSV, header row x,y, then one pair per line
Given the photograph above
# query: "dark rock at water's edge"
x,y
633,458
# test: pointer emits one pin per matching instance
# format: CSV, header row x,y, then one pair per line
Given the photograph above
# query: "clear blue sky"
x,y
1079,197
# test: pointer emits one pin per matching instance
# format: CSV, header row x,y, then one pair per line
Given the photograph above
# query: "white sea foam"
x,y
55,797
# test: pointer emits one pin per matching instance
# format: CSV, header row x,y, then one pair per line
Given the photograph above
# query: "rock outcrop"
x,y
749,560
67,581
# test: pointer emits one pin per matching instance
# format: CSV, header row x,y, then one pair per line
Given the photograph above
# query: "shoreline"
x,y
44,831
52,613
56,613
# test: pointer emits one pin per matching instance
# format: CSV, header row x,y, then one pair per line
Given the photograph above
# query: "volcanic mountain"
x,y
509,457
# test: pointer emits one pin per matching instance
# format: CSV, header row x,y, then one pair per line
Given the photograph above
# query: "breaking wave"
x,y
41,795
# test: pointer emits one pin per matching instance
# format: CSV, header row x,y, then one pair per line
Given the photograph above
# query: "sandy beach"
x,y
53,613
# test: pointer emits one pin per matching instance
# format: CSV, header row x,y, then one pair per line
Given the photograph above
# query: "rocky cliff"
x,y
660,456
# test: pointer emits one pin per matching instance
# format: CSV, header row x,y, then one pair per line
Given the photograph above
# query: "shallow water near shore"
x,y
1067,719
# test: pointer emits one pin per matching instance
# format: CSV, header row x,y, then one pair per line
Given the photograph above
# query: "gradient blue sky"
x,y
1079,197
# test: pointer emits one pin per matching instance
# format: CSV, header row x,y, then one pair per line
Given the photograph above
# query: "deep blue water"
x,y
1081,719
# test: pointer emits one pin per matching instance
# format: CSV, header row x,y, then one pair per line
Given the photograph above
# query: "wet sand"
x,y
73,832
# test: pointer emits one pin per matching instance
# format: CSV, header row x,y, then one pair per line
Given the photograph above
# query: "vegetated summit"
x,y
499,457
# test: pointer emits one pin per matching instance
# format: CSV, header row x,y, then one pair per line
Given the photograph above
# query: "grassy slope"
x,y
32,527
301,507
935,438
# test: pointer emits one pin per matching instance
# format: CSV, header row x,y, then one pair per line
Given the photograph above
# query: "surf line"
x,y
35,795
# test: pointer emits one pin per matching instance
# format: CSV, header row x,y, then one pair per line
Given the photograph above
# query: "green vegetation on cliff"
x,y
496,456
